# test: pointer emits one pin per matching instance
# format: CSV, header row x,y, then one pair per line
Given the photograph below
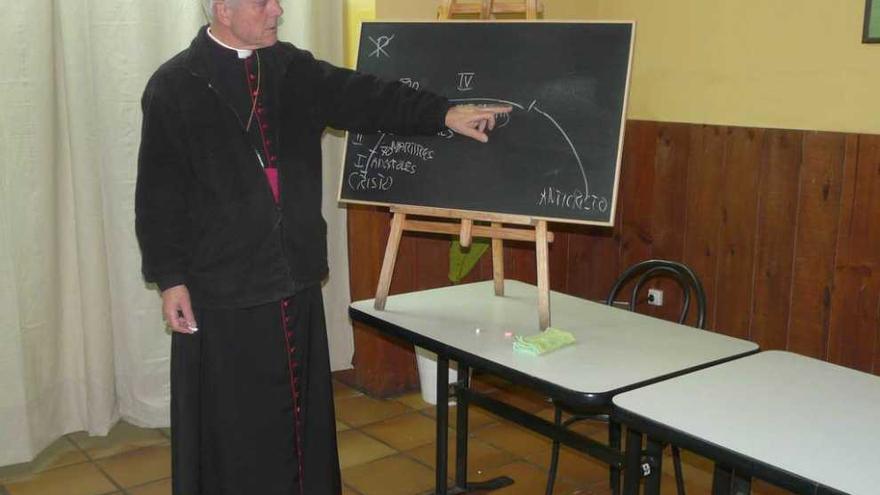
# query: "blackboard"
x,y
555,157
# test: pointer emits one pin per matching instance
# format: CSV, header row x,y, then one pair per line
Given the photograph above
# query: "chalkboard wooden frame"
x,y
466,213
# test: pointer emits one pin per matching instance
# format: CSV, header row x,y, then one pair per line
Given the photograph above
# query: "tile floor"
x,y
379,440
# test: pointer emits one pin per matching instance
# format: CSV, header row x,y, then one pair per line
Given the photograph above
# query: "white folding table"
x,y
805,425
616,351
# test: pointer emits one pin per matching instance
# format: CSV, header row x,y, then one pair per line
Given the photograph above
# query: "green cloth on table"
x,y
544,342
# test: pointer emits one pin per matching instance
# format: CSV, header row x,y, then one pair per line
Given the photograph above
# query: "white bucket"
x,y
427,363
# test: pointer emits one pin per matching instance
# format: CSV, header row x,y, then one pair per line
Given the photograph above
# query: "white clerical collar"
x,y
241,53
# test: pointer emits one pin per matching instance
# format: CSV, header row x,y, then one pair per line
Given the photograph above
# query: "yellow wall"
x,y
796,64
355,12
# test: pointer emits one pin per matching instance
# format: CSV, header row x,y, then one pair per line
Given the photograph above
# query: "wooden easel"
x,y
534,231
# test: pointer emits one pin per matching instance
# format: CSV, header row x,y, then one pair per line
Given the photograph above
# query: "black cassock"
x,y
252,402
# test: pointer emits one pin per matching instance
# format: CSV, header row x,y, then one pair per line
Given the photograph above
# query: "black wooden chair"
x,y
638,274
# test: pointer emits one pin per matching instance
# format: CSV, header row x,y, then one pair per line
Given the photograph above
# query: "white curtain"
x,y
82,342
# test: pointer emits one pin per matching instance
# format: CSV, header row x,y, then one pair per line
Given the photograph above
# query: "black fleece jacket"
x,y
205,215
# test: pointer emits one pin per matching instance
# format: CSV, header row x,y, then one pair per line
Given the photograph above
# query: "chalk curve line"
x,y
533,106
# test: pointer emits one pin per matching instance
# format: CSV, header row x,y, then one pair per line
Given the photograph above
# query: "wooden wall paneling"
x,y
367,231
431,261
668,211
406,267
594,252
777,208
815,241
519,262
636,194
736,239
704,181
382,366
853,339
558,258
483,270
365,251
592,262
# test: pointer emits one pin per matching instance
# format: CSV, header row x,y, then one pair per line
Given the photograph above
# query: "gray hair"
x,y
208,7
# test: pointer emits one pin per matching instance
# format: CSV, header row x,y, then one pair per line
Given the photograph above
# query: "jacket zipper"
x,y
259,162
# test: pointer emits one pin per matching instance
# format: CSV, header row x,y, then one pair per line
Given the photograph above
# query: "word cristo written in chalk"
x,y
556,155
385,162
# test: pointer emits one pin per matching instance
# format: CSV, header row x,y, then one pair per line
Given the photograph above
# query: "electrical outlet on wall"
x,y
655,297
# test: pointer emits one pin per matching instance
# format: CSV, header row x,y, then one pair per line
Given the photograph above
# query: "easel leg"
x,y
498,263
542,255
466,237
486,9
390,258
531,9
445,10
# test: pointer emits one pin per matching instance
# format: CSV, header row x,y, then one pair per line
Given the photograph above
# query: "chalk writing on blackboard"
x,y
575,200
408,81
409,148
466,81
533,107
373,170
381,43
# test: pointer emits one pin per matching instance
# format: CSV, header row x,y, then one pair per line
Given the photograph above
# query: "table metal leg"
x,y
553,470
462,486
742,485
614,440
721,480
633,469
726,481
442,422
461,429
654,453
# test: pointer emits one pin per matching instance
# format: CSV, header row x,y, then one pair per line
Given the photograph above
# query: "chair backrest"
x,y
646,270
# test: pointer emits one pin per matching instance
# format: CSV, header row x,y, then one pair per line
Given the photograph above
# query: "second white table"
x,y
806,425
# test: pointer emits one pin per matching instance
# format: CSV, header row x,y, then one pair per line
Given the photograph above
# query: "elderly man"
x,y
229,223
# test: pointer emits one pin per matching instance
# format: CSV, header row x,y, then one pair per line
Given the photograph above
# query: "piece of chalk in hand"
x,y
193,329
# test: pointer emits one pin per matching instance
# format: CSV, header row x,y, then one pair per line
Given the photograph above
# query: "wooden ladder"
x,y
488,9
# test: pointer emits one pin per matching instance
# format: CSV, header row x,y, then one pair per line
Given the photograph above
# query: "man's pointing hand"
x,y
473,121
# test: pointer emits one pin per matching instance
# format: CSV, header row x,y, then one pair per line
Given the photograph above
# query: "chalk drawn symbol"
x,y
501,120
466,81
490,100
408,81
362,161
357,140
381,43
533,107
